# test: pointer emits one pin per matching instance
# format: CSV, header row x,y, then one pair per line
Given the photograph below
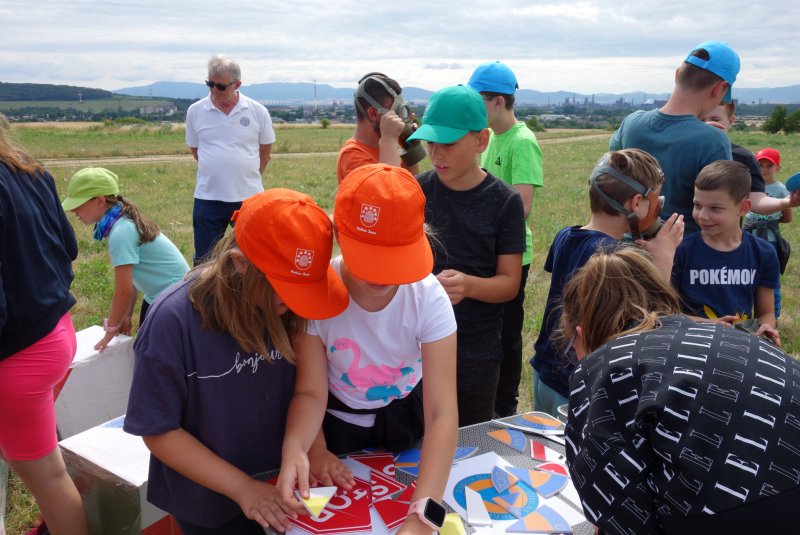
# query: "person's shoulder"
x,y
200,104
638,116
427,178
124,228
754,243
499,187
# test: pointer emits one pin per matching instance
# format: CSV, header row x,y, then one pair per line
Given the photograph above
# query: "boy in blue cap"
x,y
479,237
514,157
675,135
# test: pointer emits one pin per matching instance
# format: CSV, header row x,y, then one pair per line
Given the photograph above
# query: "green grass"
x,y
96,106
164,193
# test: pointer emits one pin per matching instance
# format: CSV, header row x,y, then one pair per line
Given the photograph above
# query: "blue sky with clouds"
x,y
585,46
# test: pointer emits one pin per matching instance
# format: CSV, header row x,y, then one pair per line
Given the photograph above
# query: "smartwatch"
x,y
430,512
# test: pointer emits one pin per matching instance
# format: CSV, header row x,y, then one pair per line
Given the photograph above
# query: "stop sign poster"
x,y
347,512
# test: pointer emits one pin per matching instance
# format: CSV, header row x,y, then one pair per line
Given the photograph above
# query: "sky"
x,y
584,46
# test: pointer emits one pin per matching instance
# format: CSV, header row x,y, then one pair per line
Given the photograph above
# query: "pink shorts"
x,y
27,408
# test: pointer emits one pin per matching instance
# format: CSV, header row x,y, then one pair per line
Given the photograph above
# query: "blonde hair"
x,y
241,304
147,228
15,156
617,292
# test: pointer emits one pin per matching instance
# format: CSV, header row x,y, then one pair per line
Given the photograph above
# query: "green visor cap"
x,y
89,183
450,114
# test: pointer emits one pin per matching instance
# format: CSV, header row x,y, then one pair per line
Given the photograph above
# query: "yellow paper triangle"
x,y
452,525
317,500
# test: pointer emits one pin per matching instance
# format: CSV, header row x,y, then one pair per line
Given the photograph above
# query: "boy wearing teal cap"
x,y
479,226
514,157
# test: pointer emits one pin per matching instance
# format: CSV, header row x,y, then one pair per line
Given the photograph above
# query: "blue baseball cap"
x,y
451,113
493,77
722,61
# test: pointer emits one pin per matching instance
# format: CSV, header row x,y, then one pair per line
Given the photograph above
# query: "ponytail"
x,y
146,227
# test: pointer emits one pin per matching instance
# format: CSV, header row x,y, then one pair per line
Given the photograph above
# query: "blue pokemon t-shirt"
x,y
725,282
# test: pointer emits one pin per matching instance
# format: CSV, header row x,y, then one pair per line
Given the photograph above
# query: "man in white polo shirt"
x,y
231,138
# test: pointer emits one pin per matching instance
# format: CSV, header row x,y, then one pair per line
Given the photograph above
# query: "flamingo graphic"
x,y
378,382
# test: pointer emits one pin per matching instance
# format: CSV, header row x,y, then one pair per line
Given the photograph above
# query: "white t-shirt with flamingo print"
x,y
376,357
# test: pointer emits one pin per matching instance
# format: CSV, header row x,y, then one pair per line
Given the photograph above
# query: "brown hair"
x,y
724,175
376,91
508,99
146,227
696,78
635,163
617,292
241,304
15,156
730,108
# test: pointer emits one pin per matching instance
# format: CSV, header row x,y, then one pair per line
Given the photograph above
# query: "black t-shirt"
x,y
688,420
472,229
742,155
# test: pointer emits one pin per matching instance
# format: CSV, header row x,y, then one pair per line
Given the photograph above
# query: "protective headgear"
x,y
413,152
652,221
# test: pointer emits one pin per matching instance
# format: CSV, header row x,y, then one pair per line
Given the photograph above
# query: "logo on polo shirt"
x,y
303,259
244,121
369,215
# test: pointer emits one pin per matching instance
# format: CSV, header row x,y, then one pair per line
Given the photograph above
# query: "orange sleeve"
x,y
352,156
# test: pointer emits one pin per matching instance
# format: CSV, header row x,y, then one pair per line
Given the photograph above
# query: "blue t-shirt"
x,y
572,247
724,281
232,401
683,146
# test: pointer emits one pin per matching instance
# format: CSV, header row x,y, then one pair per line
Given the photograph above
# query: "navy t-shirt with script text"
x,y
724,281
232,401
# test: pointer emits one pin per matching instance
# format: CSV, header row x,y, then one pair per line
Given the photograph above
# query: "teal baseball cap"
x,y
722,61
451,113
493,77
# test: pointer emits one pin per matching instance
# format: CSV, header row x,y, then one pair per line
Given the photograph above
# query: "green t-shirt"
x,y
156,265
515,158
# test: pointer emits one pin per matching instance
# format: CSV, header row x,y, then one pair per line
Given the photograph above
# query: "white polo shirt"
x,y
227,148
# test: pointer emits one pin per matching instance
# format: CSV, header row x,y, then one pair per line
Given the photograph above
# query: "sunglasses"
x,y
220,87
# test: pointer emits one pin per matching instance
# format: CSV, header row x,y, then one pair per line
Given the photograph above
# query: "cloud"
x,y
588,46
443,66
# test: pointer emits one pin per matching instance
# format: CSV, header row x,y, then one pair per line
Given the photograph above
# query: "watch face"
x,y
435,512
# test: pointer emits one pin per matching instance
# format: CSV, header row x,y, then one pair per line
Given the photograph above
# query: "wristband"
x,y
108,329
430,512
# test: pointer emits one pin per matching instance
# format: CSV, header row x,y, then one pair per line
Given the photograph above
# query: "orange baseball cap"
x,y
380,213
290,239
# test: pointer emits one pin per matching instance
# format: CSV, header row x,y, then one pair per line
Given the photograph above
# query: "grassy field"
x,y
164,193
127,104
98,140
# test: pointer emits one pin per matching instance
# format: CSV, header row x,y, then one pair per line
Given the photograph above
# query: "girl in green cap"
x,y
144,259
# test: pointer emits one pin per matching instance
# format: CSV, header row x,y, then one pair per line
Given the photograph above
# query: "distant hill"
x,y
49,92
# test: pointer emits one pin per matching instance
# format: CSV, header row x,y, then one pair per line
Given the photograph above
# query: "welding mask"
x,y
645,228
413,152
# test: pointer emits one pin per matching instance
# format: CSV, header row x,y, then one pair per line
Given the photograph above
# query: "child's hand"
x,y
326,467
770,332
725,320
391,126
125,326
663,246
294,474
454,283
261,502
102,344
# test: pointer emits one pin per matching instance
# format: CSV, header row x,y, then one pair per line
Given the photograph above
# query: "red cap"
x,y
380,213
769,154
290,239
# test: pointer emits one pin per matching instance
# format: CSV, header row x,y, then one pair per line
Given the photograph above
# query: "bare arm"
x,y
441,425
194,152
526,191
391,128
663,246
188,456
502,287
764,310
304,422
123,293
264,157
761,204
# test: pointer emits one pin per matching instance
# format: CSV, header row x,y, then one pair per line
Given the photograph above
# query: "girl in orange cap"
x,y
366,365
214,370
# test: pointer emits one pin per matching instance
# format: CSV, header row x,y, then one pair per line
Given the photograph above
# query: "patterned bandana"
x,y
102,228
